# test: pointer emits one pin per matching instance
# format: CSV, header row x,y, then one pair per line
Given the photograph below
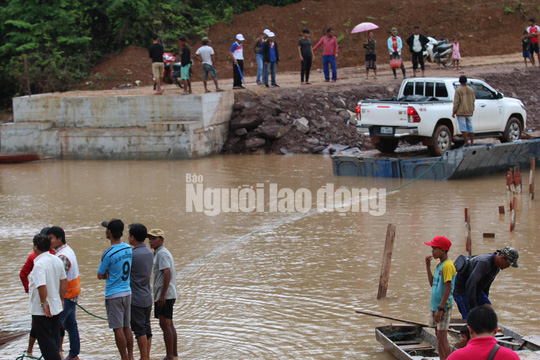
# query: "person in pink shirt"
x,y
330,52
482,323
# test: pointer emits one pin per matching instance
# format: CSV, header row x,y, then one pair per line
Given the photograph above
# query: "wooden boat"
x,y
18,158
414,342
408,342
8,336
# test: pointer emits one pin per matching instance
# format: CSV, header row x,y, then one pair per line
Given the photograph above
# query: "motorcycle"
x,y
438,52
169,75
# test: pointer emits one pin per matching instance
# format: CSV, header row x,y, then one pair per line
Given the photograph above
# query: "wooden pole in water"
x,y
513,214
468,240
387,261
531,178
27,77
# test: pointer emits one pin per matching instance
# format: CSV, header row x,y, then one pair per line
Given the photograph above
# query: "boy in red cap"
x,y
442,285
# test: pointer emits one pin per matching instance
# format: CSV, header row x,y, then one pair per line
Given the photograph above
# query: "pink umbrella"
x,y
365,26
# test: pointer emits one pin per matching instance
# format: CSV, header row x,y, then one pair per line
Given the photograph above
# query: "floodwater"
x,y
263,284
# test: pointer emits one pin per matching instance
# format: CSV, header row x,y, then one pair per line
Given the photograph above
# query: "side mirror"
x,y
500,95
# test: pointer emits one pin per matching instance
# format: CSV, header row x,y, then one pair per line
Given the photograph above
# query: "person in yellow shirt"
x,y
442,281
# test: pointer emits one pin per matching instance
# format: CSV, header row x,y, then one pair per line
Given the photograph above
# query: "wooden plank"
x,y
468,240
407,342
418,347
387,261
513,214
365,312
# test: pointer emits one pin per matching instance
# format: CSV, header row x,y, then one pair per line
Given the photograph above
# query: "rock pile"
x,y
297,121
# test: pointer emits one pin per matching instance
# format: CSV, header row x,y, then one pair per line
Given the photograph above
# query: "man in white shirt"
x,y
47,289
417,44
206,54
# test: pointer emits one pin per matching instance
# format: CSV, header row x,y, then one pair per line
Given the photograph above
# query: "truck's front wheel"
x,y
387,145
441,140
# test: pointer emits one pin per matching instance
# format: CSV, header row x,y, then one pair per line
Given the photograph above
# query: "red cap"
x,y
441,242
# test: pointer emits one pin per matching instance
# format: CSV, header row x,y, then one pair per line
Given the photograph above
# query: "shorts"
x,y
526,54
166,311
140,321
371,60
465,123
534,48
206,69
445,320
157,70
184,72
118,312
463,304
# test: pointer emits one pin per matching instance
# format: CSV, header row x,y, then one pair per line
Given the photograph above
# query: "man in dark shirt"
x,y
156,54
475,279
270,58
141,299
305,51
185,61
417,44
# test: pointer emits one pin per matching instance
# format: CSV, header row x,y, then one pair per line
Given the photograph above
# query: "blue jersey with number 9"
x,y
117,261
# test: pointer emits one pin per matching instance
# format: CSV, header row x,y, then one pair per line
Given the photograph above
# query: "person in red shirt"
x,y
330,52
482,323
533,31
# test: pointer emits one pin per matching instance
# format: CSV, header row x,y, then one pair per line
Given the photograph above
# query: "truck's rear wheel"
x,y
387,145
441,140
512,131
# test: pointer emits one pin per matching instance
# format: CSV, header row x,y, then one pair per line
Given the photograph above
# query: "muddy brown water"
x,y
263,285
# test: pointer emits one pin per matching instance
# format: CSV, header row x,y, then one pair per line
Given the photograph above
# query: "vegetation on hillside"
x,y
63,39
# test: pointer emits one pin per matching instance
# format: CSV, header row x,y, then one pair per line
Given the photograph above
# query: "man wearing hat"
x,y
395,45
206,54
115,269
474,280
442,284
261,69
271,59
165,292
237,55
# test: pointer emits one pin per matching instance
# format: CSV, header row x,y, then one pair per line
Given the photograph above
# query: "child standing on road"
x,y
456,56
526,43
442,281
371,56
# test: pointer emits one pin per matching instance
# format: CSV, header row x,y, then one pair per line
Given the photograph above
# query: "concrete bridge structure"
x,y
119,127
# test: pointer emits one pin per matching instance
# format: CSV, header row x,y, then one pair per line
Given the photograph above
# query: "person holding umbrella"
x,y
369,45
371,56
237,55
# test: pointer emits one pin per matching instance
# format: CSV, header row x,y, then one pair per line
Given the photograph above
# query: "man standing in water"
x,y
115,269
474,280
141,297
47,288
165,292
68,316
442,284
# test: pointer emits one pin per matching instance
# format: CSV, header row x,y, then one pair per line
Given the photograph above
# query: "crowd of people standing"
x,y
51,277
267,56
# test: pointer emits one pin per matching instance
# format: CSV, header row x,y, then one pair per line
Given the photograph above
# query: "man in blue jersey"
x,y
115,269
237,55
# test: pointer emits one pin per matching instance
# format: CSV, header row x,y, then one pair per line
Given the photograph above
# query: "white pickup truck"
x,y
422,112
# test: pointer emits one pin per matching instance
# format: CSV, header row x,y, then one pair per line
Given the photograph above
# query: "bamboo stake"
x,y
531,178
513,216
468,240
387,261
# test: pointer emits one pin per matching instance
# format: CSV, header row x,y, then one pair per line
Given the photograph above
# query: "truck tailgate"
x,y
383,114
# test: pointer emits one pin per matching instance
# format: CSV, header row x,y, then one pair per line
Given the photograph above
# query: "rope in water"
x,y
89,313
24,356
418,177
